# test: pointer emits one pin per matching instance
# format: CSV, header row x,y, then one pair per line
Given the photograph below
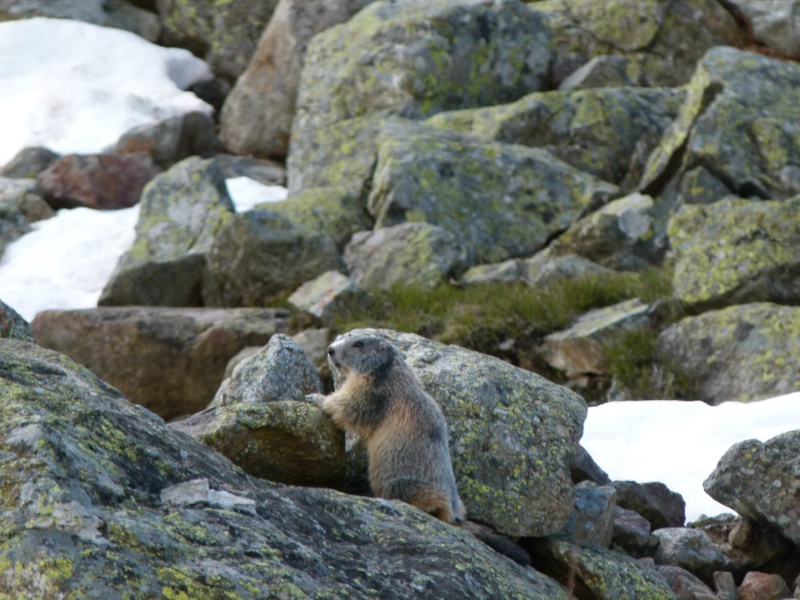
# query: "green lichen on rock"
x,y
737,353
503,200
736,251
12,325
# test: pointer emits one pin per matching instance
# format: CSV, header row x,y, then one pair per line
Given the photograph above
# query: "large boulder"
x,y
100,499
737,251
181,212
512,434
20,205
738,124
737,353
258,254
662,39
169,360
257,115
502,200
690,549
774,23
222,32
759,480
606,132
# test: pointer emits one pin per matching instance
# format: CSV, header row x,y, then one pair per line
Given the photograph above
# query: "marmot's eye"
x,y
358,344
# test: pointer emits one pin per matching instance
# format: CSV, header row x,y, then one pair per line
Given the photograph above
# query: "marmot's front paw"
x,y
317,399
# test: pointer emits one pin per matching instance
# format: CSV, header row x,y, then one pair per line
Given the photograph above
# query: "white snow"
x,y
76,87
246,192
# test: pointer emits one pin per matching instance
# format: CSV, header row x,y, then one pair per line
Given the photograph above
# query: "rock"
x,y
759,480
545,268
598,573
737,251
413,254
685,585
101,181
19,207
609,71
240,356
503,200
12,325
773,22
259,254
654,501
261,170
507,271
580,350
29,162
624,234
108,13
592,522
700,186
726,586
260,420
198,491
173,139
83,474
606,132
662,40
763,586
328,296
737,353
181,212
257,115
735,123
690,549
169,360
583,468
224,33
632,534
333,211
512,434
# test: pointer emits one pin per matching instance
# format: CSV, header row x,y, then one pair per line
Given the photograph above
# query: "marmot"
x,y
404,430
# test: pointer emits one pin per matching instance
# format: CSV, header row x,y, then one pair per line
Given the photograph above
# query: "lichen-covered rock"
x,y
333,211
222,32
166,359
579,349
507,271
654,501
737,251
592,522
257,116
89,509
599,573
512,434
690,549
12,325
606,132
180,212
29,162
631,534
20,205
503,200
760,480
775,23
700,186
545,267
258,254
328,296
607,71
413,254
738,123
662,39
737,353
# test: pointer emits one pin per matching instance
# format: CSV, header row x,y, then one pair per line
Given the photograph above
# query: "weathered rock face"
x,y
606,132
763,586
737,353
661,39
685,585
258,254
90,493
736,251
512,434
181,212
592,522
20,205
258,113
258,169
546,267
737,123
631,534
503,200
328,296
29,162
690,549
101,181
12,325
759,480
224,33
775,23
168,360
607,71
654,501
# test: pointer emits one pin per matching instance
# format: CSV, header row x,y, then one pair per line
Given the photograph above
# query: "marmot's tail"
x,y
422,495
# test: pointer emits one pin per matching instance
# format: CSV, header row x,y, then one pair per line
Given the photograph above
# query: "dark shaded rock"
x,y
654,501
583,468
29,162
685,585
12,325
632,534
166,359
592,521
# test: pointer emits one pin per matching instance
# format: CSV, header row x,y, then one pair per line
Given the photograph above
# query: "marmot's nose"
x,y
331,351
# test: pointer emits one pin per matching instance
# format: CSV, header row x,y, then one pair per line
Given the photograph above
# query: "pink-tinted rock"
x,y
101,181
763,586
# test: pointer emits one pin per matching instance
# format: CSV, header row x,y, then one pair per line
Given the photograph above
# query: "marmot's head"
x,y
360,354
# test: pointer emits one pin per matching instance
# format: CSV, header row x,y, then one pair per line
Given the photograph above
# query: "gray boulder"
x,y
512,434
29,162
736,353
775,23
20,206
690,549
257,254
759,480
169,360
329,296
737,251
546,267
654,501
181,212
631,534
90,492
12,325
592,522
503,200
685,585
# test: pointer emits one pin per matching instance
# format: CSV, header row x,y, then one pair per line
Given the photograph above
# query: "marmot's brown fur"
x,y
404,430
